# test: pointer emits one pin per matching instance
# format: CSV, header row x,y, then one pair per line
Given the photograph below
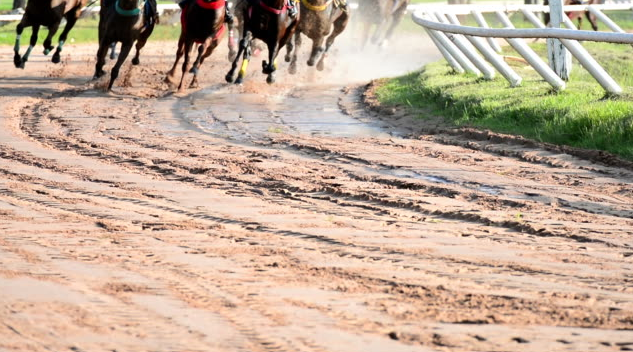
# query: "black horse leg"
x,y
71,19
125,51
48,42
25,57
17,59
214,43
244,48
112,51
317,49
101,55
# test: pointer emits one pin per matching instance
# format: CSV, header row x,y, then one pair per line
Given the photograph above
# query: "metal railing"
x,y
464,46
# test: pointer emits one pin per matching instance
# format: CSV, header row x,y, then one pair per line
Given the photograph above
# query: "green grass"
x,y
581,116
85,31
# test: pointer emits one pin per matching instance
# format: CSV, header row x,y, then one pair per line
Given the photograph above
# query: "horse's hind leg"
x,y
125,51
20,62
339,26
113,51
317,49
71,19
140,43
289,49
48,42
293,62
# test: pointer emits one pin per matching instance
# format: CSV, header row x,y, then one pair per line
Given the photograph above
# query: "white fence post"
x,y
530,56
469,51
512,77
455,53
481,21
449,58
559,58
586,60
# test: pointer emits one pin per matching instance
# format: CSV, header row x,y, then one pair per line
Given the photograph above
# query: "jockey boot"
x,y
292,8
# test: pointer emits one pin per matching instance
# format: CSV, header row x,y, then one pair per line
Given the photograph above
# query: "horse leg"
x,y
339,26
112,51
185,64
140,43
270,67
48,42
169,79
317,49
231,42
289,49
243,50
592,20
101,55
18,61
71,19
395,20
125,51
207,53
293,62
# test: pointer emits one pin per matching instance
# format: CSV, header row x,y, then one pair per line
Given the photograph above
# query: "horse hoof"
x,y
17,61
47,51
239,80
194,71
287,58
136,61
270,79
293,69
320,66
113,56
229,78
310,63
56,59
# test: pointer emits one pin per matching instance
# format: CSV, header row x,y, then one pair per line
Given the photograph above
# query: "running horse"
x,y
48,13
320,19
270,22
385,14
201,22
125,21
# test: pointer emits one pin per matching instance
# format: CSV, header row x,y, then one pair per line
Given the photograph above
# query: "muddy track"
x,y
295,219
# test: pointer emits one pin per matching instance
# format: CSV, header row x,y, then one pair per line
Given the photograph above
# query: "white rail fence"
x,y
464,46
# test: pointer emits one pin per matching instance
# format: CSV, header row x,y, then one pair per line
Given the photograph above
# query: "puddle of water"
x,y
311,110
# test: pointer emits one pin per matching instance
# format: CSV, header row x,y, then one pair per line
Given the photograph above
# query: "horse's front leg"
x,y
32,43
270,67
245,51
185,64
317,49
17,59
48,42
71,19
169,79
125,51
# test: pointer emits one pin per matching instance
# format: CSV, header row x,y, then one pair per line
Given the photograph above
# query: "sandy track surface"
x,y
291,219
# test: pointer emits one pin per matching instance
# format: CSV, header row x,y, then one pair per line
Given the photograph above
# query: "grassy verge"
x,y
581,116
85,31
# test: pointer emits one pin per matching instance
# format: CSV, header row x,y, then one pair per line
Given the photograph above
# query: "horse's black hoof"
x,y
229,78
270,79
287,58
310,63
56,59
17,61
98,74
194,70
239,80
136,61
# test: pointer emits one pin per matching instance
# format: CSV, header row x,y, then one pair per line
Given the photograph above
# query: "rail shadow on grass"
x,y
581,116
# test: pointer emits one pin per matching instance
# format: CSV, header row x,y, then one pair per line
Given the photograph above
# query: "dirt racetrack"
x,y
292,219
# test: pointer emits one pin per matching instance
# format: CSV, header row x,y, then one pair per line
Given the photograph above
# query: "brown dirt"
x,y
292,219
